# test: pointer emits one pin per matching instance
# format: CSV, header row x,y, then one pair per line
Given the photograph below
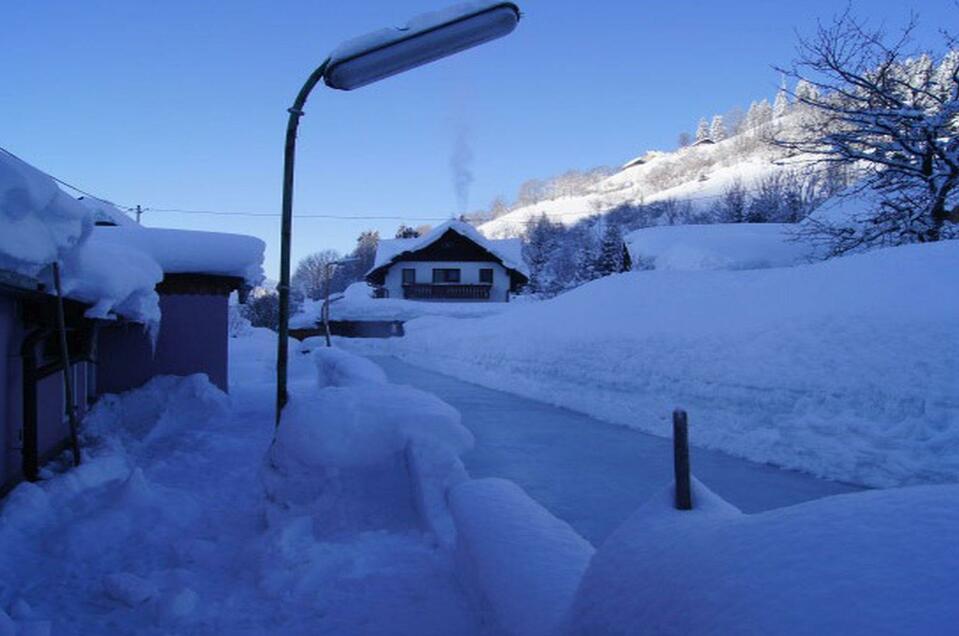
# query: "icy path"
x,y
590,473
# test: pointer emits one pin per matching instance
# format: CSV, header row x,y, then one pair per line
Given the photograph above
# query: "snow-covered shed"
x,y
138,302
453,262
200,271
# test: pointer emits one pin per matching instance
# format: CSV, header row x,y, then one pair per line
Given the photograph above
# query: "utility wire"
x,y
344,217
65,184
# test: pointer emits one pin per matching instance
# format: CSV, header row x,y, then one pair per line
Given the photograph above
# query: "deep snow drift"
x,y
846,368
163,529
880,562
720,246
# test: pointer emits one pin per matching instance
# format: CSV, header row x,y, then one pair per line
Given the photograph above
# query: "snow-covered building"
x,y
138,302
453,262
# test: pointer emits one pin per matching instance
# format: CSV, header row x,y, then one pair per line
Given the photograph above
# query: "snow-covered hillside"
x,y
845,368
699,174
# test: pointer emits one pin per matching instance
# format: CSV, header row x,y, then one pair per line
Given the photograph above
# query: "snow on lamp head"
x,y
424,39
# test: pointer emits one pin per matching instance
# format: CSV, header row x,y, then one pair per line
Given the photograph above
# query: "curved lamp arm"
x,y
286,233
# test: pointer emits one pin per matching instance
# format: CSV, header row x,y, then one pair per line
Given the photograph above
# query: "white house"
x,y
454,262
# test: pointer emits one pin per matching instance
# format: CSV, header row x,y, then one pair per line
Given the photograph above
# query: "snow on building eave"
x,y
465,230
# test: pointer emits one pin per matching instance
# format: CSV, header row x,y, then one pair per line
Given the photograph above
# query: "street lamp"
x,y
365,60
328,275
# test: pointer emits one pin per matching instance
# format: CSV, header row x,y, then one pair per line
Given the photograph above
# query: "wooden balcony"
x,y
426,291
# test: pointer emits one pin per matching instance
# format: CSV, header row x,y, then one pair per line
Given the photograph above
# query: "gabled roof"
x,y
508,251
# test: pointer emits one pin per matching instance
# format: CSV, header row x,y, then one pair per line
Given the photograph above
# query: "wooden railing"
x,y
425,291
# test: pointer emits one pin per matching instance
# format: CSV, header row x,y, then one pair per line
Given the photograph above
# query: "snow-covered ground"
x,y
720,246
710,169
846,369
164,529
879,562
592,474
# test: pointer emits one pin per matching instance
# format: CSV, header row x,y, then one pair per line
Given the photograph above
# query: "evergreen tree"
x,y
611,251
805,91
717,129
781,105
539,248
702,131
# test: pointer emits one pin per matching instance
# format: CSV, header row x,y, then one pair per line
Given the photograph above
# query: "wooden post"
x,y
71,408
684,499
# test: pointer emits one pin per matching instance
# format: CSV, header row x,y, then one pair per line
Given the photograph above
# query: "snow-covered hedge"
x,y
336,367
360,452
875,562
521,564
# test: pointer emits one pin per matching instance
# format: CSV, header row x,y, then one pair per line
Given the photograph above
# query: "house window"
x,y
446,275
409,276
486,275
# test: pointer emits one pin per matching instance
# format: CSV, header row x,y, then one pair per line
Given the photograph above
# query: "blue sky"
x,y
181,104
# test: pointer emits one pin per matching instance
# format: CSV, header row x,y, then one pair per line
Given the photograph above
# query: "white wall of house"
x,y
469,275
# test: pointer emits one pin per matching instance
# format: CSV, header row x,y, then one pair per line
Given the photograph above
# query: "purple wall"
x,y
193,338
53,428
10,334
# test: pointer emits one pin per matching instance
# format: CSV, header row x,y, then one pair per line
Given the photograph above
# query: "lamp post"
x,y
365,60
328,276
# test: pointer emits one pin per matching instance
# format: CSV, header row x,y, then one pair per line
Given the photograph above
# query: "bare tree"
x,y
890,116
312,273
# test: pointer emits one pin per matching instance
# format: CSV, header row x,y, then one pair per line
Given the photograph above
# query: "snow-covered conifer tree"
x,y
781,104
610,259
702,131
538,250
717,130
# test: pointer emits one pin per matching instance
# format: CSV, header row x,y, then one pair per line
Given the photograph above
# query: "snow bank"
x,y
164,408
522,563
362,453
845,369
723,246
876,562
93,535
336,367
355,426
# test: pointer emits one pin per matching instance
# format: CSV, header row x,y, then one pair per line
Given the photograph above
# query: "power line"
x,y
68,185
365,217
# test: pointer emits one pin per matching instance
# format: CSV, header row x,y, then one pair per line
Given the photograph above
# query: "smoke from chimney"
x,y
461,165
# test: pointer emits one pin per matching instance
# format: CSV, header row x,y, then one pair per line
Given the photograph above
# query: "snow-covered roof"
x,y
509,251
189,251
113,269
39,222
105,213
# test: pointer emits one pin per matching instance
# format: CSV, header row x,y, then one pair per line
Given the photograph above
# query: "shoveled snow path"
x,y
589,473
